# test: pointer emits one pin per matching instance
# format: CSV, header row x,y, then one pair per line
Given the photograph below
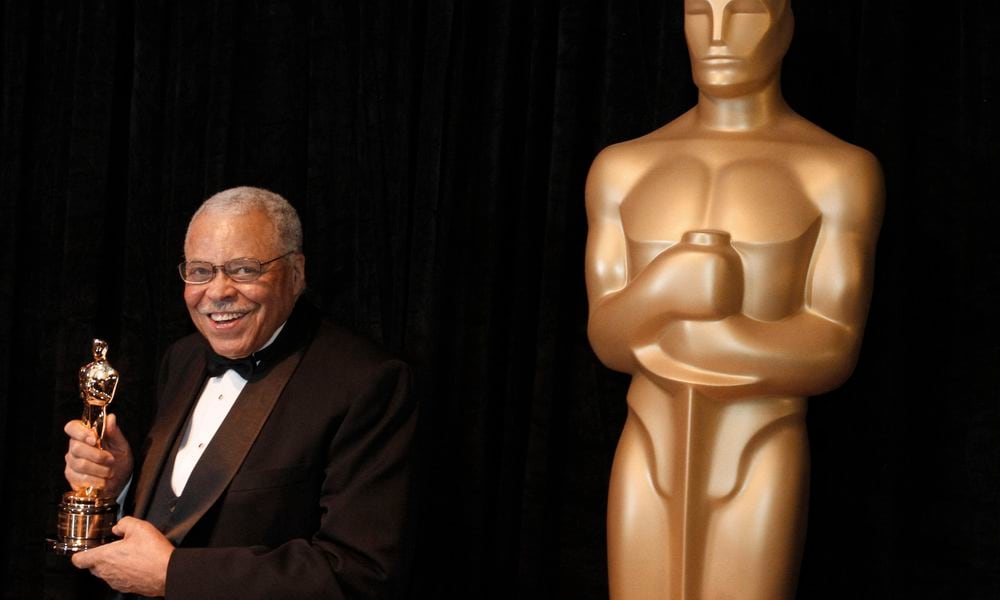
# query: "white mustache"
x,y
222,308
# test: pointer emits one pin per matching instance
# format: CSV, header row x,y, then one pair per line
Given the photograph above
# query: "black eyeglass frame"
x,y
224,268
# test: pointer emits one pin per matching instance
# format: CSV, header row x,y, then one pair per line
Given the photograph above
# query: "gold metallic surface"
x,y
86,516
84,522
98,382
729,269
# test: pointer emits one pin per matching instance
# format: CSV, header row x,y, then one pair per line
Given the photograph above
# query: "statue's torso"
x,y
752,190
765,195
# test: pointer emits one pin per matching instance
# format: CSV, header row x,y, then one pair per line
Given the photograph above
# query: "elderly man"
x,y
278,465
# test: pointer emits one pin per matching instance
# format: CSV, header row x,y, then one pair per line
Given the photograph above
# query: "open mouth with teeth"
x,y
223,318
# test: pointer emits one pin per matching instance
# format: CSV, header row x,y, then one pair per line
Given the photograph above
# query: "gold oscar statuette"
x,y
86,515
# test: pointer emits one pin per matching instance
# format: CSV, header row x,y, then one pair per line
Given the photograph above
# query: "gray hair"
x,y
244,200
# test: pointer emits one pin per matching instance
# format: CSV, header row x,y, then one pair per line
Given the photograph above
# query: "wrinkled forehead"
x,y
240,234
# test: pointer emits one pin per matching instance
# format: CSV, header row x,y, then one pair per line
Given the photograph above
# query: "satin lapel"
x,y
227,450
166,429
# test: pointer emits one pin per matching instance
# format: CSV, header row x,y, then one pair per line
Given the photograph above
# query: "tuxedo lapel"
x,y
166,429
229,447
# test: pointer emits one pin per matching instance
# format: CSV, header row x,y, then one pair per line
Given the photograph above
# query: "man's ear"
x,y
299,272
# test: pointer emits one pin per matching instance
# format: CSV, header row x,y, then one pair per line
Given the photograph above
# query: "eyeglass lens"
x,y
240,269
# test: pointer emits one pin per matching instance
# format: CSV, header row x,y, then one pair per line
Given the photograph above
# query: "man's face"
x,y
238,318
736,46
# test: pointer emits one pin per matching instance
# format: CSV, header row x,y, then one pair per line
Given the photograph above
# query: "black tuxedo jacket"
x,y
304,492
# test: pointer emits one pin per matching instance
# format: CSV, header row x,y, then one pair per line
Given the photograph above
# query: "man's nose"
x,y
220,287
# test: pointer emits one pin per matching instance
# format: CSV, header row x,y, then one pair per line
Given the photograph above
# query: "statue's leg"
x,y
93,417
646,497
639,535
755,534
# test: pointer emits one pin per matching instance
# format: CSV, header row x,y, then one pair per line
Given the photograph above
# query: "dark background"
x,y
437,151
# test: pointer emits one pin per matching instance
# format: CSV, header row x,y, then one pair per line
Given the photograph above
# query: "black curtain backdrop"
x,y
437,151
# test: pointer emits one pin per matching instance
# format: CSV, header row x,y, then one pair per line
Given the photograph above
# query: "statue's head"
x,y
737,46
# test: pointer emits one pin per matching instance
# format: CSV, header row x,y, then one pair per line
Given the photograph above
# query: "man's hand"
x,y
107,468
135,564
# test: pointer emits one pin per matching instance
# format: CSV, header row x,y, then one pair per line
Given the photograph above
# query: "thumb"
x,y
112,433
82,560
125,526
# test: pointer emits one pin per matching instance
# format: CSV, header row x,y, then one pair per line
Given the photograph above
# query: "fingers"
x,y
86,464
76,430
137,563
89,460
114,440
79,481
80,471
89,558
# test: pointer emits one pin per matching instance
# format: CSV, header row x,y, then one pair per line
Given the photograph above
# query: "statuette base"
x,y
85,522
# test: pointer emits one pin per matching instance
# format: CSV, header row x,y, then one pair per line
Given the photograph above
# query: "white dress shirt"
x,y
217,398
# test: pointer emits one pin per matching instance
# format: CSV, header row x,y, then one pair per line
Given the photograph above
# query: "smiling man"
x,y
279,462
238,317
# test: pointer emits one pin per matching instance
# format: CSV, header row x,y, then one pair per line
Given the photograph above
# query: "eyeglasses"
x,y
240,270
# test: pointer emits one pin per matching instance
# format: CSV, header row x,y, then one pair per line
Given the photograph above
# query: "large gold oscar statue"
x,y
729,268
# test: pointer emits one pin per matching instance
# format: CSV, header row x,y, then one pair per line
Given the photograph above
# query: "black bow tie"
x,y
258,363
217,365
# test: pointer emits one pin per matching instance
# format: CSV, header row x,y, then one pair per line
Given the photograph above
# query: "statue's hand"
x,y
106,467
698,278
